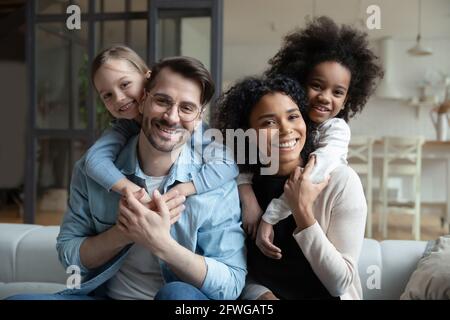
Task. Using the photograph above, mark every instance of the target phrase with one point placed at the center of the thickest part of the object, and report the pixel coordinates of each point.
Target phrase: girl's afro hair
(323, 40)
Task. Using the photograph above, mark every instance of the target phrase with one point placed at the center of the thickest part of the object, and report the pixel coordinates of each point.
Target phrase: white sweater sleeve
(252, 290)
(333, 256)
(244, 178)
(332, 148)
(277, 210)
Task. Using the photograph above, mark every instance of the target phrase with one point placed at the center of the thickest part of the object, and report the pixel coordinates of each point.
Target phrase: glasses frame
(165, 110)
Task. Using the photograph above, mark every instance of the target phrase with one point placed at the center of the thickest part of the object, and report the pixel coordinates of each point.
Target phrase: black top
(291, 277)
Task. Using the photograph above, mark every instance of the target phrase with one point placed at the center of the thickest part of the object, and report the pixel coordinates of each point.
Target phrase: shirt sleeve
(244, 178)
(277, 210)
(332, 148)
(253, 290)
(221, 241)
(218, 167)
(77, 224)
(101, 156)
(333, 256)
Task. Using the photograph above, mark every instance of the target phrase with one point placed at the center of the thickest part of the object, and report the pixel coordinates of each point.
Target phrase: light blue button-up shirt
(210, 225)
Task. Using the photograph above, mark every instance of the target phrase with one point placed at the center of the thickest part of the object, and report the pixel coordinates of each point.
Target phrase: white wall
(253, 29)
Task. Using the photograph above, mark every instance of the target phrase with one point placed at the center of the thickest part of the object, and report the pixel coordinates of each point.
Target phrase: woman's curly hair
(323, 40)
(234, 107)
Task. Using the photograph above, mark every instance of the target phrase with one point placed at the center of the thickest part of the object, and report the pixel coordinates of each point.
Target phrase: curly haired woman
(322, 238)
(339, 73)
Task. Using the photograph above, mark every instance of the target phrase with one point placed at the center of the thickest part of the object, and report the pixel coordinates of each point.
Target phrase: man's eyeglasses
(186, 111)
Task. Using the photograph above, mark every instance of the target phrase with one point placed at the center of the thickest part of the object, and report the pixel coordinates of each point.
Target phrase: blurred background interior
(52, 115)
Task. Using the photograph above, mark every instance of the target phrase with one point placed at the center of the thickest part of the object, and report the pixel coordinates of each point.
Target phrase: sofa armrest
(385, 267)
(28, 254)
(400, 259)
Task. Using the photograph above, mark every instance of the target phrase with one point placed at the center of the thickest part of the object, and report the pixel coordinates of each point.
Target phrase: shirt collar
(181, 170)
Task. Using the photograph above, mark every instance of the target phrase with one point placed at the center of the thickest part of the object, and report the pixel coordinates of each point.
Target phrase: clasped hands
(146, 221)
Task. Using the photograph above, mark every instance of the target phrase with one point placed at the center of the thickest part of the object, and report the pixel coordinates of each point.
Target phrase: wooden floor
(400, 227)
(399, 224)
(11, 214)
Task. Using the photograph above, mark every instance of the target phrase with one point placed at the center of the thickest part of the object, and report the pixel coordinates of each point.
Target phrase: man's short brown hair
(189, 68)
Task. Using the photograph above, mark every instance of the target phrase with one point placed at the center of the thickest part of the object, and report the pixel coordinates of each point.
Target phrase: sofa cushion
(28, 254)
(385, 267)
(400, 259)
(10, 237)
(431, 279)
(11, 289)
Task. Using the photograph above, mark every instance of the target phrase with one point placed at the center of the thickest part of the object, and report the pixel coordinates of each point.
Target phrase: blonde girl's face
(121, 87)
(327, 89)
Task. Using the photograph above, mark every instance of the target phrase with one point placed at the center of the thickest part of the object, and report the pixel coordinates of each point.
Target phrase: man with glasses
(134, 252)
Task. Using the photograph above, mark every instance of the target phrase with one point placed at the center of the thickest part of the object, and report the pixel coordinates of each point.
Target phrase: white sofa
(29, 263)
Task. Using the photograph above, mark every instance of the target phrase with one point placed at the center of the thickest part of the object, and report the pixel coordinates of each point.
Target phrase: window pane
(132, 33)
(138, 37)
(81, 80)
(184, 34)
(109, 33)
(139, 5)
(196, 39)
(55, 160)
(109, 6)
(169, 42)
(59, 6)
(62, 76)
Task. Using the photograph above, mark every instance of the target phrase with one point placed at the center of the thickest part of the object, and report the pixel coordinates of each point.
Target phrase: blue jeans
(43, 296)
(180, 291)
(171, 291)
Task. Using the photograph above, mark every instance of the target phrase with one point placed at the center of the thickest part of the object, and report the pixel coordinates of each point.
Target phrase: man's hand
(264, 241)
(144, 226)
(173, 199)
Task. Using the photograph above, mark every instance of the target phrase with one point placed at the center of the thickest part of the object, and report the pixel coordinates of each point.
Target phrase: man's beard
(147, 126)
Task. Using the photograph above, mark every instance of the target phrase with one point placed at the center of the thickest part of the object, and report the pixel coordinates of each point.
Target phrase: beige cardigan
(333, 244)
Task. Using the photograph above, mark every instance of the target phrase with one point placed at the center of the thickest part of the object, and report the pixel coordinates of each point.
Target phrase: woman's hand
(301, 194)
(264, 241)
